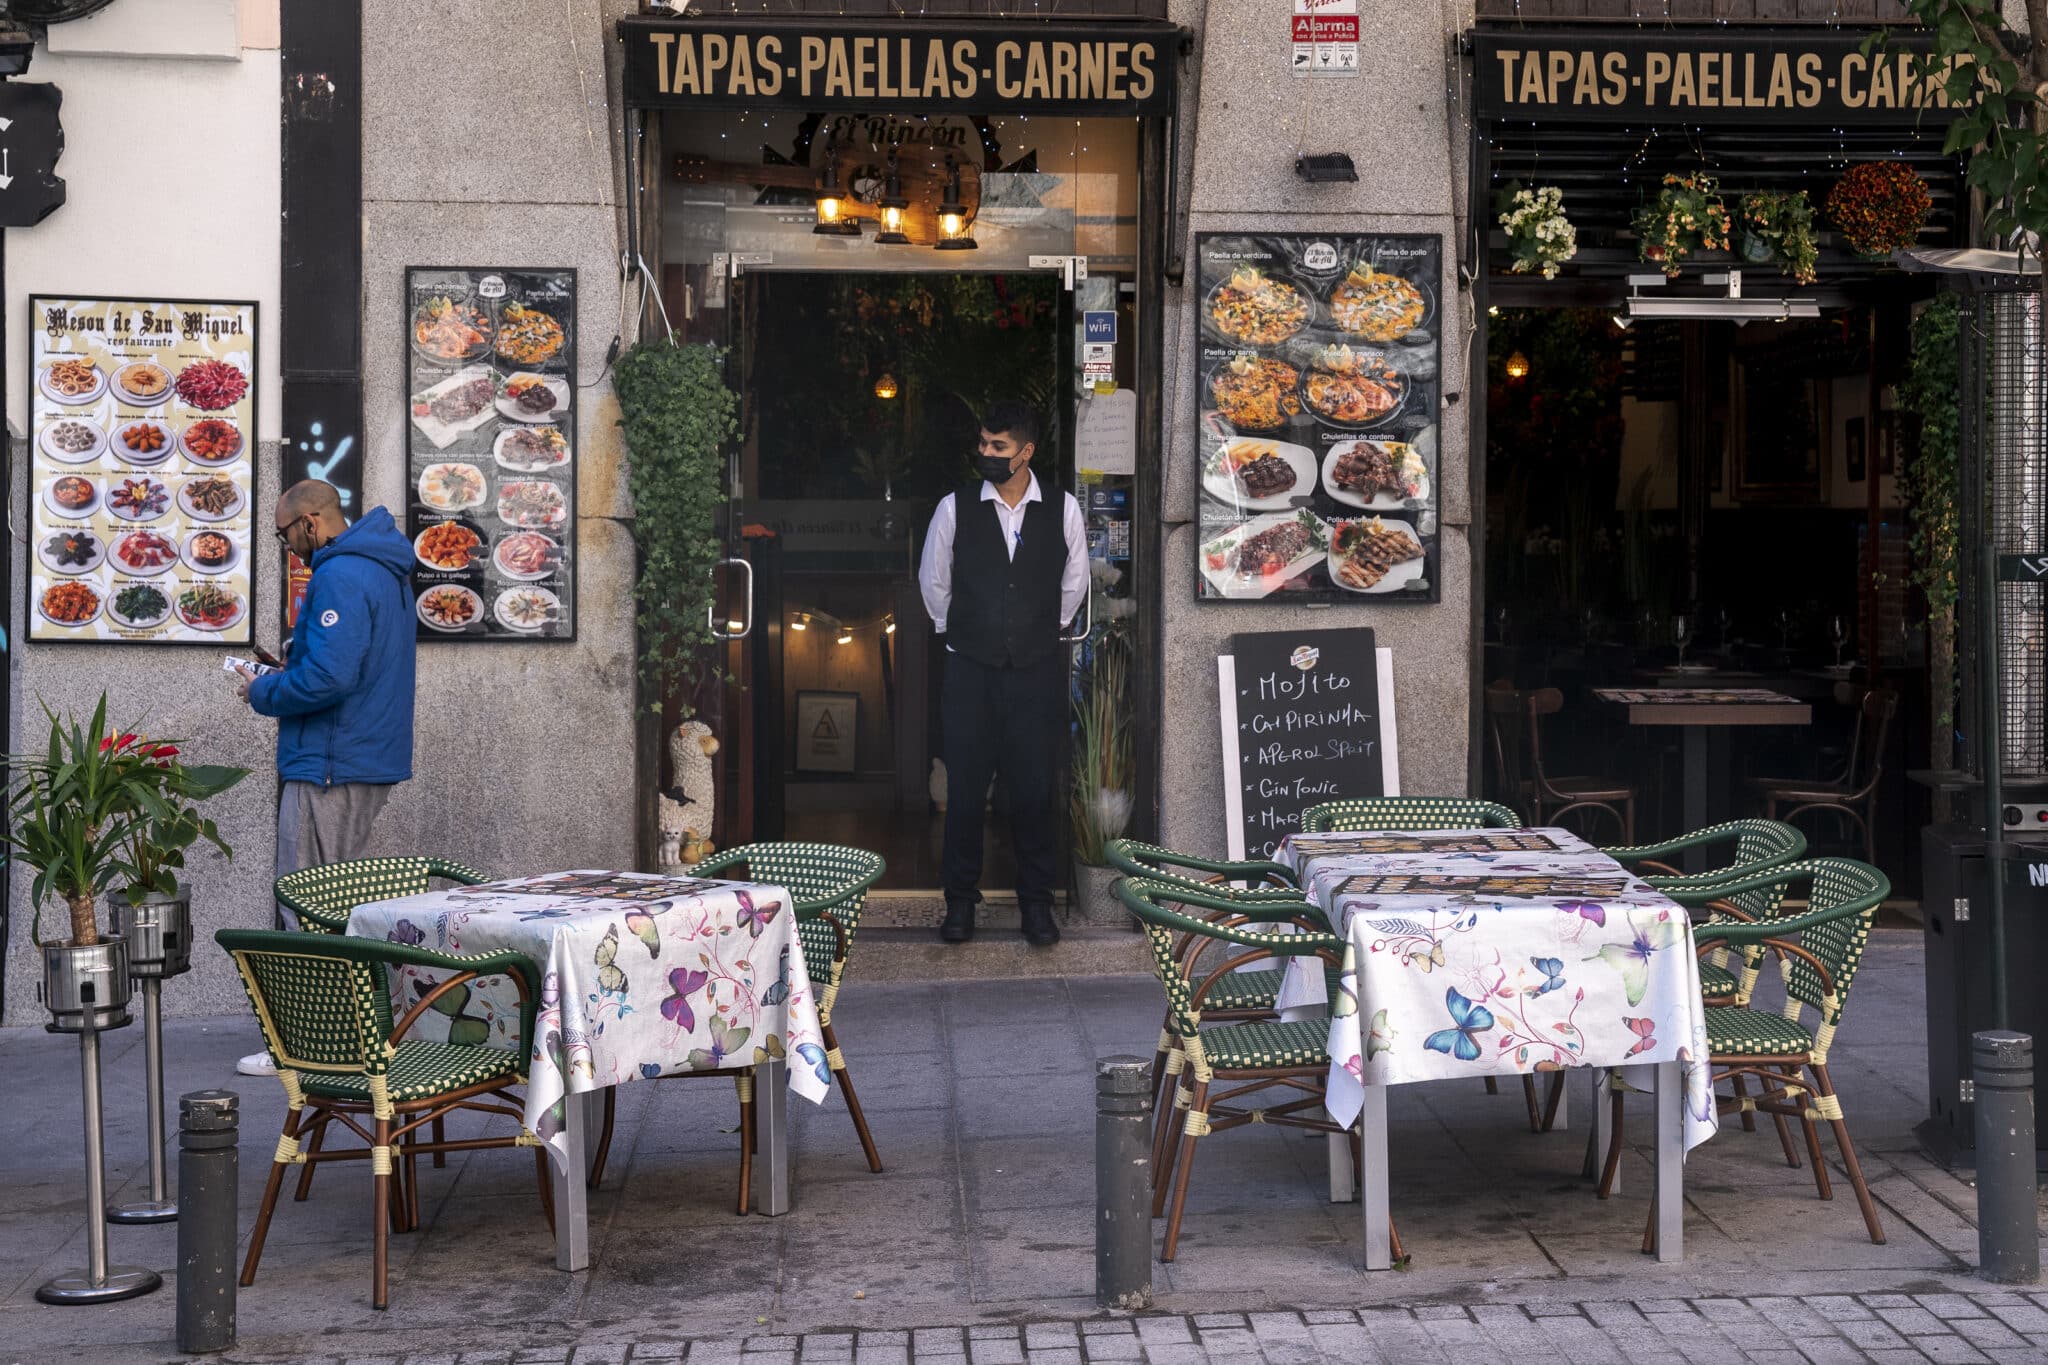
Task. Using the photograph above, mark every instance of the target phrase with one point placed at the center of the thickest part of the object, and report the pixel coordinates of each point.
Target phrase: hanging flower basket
(1779, 227)
(1879, 207)
(1688, 217)
(1540, 237)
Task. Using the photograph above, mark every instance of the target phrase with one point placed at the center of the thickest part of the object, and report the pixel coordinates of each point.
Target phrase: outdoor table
(642, 976)
(1699, 709)
(1473, 953)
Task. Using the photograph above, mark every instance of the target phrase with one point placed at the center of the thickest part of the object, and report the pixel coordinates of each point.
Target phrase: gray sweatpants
(317, 825)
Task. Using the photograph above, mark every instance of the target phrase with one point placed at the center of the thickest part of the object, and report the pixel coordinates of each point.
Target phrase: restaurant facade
(1244, 262)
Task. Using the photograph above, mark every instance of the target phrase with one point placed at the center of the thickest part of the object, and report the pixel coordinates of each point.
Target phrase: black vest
(1005, 612)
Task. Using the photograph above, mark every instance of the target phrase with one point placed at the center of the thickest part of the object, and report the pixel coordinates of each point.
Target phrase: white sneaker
(257, 1064)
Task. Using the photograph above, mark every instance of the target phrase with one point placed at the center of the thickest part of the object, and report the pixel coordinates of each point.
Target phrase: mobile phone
(231, 664)
(266, 658)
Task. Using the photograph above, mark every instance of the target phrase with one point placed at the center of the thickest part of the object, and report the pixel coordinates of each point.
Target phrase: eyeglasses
(284, 532)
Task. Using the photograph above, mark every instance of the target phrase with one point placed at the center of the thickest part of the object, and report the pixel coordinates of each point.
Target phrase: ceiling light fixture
(953, 212)
(832, 219)
(802, 622)
(845, 635)
(1518, 366)
(885, 387)
(892, 203)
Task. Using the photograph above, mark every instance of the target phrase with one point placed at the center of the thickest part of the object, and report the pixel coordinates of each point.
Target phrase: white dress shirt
(935, 572)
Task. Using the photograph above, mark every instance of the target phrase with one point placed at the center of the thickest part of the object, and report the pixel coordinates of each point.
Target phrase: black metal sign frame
(1801, 77)
(1026, 67)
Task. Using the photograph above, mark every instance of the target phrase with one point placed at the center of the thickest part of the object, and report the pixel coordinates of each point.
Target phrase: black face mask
(994, 468)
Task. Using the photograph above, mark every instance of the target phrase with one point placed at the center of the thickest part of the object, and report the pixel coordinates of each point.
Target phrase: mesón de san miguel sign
(959, 67)
(1721, 76)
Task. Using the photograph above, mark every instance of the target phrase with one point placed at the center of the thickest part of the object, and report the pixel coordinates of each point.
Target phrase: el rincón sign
(921, 67)
(1723, 76)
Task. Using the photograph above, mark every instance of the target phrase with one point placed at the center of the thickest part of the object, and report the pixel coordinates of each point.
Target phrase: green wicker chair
(1818, 950)
(326, 1017)
(1240, 995)
(828, 884)
(1759, 845)
(1254, 1057)
(1407, 813)
(324, 897)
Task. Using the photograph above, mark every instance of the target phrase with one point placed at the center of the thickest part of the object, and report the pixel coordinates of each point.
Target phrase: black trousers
(1012, 722)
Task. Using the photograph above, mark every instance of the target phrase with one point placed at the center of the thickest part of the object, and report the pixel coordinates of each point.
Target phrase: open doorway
(863, 394)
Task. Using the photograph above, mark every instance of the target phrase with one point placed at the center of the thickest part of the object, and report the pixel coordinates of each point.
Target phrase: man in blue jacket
(344, 699)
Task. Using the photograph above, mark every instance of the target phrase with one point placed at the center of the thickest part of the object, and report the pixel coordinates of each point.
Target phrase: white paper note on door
(1106, 435)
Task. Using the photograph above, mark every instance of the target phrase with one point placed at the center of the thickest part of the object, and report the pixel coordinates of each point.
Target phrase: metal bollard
(208, 1121)
(2008, 1242)
(1123, 1183)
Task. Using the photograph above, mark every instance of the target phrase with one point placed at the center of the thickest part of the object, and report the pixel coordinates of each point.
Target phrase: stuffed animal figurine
(687, 808)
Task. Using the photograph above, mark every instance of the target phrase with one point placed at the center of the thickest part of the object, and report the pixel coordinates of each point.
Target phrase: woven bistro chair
(1854, 796)
(1514, 728)
(1406, 813)
(325, 1012)
(322, 898)
(1254, 1056)
(1248, 994)
(1759, 845)
(1818, 950)
(828, 885)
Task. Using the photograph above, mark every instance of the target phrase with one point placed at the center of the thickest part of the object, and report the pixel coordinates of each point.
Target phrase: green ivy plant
(1927, 481)
(679, 417)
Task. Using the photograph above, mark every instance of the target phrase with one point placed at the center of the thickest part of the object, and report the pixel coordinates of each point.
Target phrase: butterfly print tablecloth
(1470, 954)
(641, 976)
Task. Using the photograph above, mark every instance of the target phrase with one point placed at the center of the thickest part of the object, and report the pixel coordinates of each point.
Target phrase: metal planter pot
(86, 981)
(1093, 903)
(158, 930)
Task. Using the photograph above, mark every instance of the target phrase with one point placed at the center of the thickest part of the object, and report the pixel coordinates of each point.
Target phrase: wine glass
(1500, 624)
(1588, 619)
(1721, 624)
(1785, 630)
(1681, 635)
(1838, 634)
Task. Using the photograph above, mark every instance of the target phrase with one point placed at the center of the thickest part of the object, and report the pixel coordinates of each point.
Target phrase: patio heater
(1986, 900)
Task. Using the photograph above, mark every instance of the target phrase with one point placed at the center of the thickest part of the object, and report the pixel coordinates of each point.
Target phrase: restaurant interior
(1707, 480)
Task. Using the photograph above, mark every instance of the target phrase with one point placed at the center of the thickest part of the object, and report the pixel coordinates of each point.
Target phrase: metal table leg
(159, 1207)
(568, 1170)
(1373, 1200)
(771, 1110)
(1603, 1127)
(1670, 1197)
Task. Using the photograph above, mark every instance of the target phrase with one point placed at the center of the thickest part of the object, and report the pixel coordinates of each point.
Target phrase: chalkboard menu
(492, 437)
(1308, 717)
(1316, 416)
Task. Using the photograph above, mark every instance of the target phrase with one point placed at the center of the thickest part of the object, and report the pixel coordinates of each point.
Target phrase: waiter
(1003, 570)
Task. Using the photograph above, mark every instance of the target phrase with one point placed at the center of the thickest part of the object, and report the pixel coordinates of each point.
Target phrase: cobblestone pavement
(1893, 1329)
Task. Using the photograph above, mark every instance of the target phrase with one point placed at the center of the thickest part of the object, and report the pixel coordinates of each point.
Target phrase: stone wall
(1249, 117)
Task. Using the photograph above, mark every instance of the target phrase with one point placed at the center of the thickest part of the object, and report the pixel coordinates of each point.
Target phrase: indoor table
(1697, 710)
(1475, 953)
(642, 976)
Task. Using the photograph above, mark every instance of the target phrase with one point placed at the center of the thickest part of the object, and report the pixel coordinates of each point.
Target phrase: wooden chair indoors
(1853, 794)
(1514, 726)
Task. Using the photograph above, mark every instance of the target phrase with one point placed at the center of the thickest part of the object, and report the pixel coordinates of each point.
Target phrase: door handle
(747, 626)
(1088, 608)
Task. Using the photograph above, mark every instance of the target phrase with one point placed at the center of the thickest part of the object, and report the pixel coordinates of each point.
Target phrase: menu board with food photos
(1318, 365)
(142, 432)
(491, 436)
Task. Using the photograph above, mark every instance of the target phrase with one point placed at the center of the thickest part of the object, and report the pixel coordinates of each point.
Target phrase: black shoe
(959, 925)
(1038, 926)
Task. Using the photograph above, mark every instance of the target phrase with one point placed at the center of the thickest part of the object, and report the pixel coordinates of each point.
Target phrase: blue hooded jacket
(344, 699)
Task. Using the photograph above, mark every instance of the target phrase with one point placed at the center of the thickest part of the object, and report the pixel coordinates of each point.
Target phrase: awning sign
(825, 64)
(1720, 76)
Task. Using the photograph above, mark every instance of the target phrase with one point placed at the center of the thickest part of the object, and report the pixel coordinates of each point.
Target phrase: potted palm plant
(1099, 805)
(153, 910)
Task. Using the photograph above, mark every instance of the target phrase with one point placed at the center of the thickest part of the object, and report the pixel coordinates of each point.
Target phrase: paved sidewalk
(981, 1099)
(1894, 1329)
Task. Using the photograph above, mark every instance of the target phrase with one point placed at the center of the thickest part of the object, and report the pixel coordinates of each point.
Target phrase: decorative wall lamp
(885, 387)
(1518, 366)
(832, 219)
(892, 203)
(953, 212)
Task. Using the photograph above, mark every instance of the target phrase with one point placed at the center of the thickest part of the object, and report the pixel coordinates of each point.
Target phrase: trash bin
(1957, 909)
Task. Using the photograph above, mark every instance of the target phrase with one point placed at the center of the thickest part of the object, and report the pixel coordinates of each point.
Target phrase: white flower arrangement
(1539, 234)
